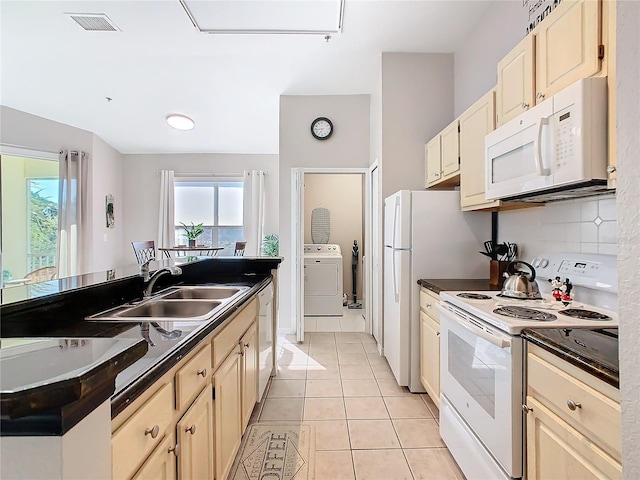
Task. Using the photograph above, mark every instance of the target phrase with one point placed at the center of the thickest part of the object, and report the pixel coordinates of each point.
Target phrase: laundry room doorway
(330, 236)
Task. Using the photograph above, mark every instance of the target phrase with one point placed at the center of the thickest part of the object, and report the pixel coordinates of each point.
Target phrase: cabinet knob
(202, 372)
(526, 408)
(191, 429)
(152, 431)
(175, 450)
(539, 95)
(573, 405)
(437, 334)
(428, 305)
(246, 345)
(611, 169)
(524, 105)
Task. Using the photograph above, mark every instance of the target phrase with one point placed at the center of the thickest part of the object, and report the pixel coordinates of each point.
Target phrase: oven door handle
(497, 341)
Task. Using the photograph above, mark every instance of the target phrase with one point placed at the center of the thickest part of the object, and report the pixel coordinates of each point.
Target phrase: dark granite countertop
(593, 350)
(60, 317)
(457, 284)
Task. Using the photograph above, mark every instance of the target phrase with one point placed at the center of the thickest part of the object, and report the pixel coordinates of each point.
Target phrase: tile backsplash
(586, 225)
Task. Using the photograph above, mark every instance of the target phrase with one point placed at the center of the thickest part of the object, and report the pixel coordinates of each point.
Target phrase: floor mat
(282, 451)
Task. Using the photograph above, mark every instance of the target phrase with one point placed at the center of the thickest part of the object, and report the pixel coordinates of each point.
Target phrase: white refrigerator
(427, 236)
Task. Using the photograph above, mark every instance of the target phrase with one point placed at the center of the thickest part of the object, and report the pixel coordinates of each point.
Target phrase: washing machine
(322, 280)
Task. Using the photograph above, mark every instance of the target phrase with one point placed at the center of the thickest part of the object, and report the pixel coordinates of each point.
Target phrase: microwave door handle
(543, 172)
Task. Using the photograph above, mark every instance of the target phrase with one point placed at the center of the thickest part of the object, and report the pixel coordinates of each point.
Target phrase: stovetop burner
(525, 313)
(584, 314)
(474, 296)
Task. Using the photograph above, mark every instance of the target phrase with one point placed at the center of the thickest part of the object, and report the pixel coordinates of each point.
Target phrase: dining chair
(144, 251)
(239, 251)
(42, 274)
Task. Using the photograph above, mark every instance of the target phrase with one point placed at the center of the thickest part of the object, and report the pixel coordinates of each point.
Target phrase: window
(217, 204)
(29, 215)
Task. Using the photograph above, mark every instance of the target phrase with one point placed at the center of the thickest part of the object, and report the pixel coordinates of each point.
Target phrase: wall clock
(321, 128)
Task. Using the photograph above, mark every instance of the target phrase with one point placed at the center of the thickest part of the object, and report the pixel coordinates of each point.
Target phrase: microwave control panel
(565, 138)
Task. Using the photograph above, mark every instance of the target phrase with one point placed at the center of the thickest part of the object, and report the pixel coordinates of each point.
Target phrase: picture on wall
(111, 218)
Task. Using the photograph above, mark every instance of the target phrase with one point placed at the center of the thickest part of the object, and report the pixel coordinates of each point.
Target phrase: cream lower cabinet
(162, 462)
(249, 346)
(195, 437)
(227, 407)
(430, 345)
(572, 421)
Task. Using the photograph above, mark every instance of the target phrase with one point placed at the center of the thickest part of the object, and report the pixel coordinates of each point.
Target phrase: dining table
(182, 250)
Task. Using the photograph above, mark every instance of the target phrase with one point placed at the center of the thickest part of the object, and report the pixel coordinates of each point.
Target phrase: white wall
(348, 147)
(141, 188)
(628, 126)
(343, 196)
(476, 61)
(417, 102)
(23, 130)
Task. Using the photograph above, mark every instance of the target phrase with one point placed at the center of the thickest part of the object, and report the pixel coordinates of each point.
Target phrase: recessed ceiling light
(180, 122)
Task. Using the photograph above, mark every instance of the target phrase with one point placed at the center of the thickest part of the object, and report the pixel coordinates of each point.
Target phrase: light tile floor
(367, 426)
(352, 320)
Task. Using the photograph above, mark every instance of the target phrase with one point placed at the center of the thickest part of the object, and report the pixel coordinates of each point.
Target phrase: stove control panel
(589, 270)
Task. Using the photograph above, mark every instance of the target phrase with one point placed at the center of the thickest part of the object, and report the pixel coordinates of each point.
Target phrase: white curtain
(72, 211)
(253, 211)
(166, 218)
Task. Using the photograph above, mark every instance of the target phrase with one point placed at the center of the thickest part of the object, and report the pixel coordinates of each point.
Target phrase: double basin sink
(175, 304)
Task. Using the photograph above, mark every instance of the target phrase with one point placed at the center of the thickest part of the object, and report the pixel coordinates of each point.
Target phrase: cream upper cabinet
(430, 344)
(195, 437)
(515, 89)
(563, 48)
(432, 154)
(227, 413)
(573, 421)
(475, 123)
(567, 46)
(442, 161)
(249, 345)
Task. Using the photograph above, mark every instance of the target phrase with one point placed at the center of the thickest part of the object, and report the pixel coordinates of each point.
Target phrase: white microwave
(555, 150)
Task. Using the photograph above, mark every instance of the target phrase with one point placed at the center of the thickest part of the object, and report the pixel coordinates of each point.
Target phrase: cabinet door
(433, 164)
(195, 437)
(249, 344)
(567, 44)
(475, 123)
(161, 464)
(515, 88)
(227, 413)
(450, 144)
(556, 450)
(430, 357)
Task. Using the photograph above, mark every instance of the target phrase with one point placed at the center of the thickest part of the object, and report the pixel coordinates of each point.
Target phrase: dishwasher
(265, 338)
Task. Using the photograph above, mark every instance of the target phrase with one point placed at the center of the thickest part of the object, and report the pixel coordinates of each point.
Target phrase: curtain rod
(10, 145)
(208, 174)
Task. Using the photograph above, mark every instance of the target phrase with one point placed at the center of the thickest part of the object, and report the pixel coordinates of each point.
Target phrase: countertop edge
(456, 284)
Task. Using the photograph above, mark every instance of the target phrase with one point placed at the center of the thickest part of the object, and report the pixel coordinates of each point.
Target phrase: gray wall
(348, 147)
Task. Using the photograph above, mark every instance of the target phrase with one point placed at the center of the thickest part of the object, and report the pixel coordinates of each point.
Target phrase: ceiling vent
(93, 22)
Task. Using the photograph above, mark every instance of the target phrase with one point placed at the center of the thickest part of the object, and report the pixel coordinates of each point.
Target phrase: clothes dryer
(322, 280)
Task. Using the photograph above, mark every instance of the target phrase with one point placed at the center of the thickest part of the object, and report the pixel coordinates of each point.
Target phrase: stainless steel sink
(203, 293)
(176, 304)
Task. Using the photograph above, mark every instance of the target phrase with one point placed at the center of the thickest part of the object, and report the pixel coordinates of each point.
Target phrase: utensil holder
(496, 269)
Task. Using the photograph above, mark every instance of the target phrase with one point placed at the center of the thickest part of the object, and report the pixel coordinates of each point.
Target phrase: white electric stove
(481, 357)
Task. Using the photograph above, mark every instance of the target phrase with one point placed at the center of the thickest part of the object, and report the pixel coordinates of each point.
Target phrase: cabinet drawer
(228, 338)
(428, 303)
(139, 435)
(597, 417)
(191, 378)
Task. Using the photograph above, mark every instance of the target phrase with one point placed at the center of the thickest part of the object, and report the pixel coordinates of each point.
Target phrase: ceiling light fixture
(180, 122)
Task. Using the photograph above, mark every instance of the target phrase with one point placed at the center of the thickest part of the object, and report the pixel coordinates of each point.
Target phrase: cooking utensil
(501, 251)
(520, 284)
(486, 254)
(488, 246)
(513, 252)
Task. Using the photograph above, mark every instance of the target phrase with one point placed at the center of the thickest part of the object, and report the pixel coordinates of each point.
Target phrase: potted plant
(270, 245)
(193, 232)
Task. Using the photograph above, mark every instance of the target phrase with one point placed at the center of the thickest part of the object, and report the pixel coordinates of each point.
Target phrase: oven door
(481, 377)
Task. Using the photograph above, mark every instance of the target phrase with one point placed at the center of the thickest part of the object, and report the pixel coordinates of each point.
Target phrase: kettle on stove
(520, 284)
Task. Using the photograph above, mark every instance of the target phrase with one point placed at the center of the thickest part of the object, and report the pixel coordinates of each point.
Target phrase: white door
(297, 247)
(375, 287)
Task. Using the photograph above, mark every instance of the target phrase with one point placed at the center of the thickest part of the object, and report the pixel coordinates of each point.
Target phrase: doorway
(338, 197)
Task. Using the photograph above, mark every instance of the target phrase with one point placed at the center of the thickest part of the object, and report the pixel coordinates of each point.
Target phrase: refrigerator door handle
(396, 212)
(394, 277)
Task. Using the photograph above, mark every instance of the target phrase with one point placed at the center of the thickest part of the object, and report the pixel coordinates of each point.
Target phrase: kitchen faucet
(173, 270)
